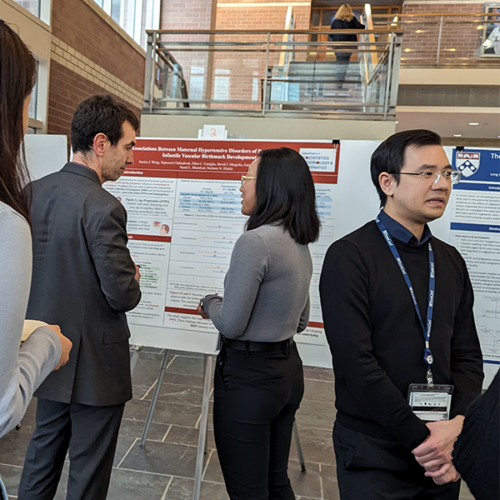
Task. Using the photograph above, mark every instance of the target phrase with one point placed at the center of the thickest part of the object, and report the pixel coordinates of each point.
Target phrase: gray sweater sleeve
(249, 264)
(21, 370)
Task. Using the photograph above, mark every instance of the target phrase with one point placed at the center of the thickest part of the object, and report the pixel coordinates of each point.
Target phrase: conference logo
(468, 163)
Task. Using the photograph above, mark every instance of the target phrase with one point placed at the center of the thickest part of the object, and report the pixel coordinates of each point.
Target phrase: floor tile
(186, 365)
(122, 447)
(134, 429)
(11, 476)
(305, 483)
(175, 393)
(313, 372)
(319, 390)
(328, 475)
(182, 489)
(316, 444)
(133, 485)
(165, 413)
(162, 458)
(188, 435)
(13, 448)
(316, 414)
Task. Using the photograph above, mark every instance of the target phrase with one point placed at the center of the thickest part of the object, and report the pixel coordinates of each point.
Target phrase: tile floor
(164, 469)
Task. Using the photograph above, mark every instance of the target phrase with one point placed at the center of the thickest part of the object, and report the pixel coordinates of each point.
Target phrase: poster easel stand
(202, 438)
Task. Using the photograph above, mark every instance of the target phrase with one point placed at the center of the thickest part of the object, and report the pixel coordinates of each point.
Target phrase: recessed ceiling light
(473, 123)
(457, 135)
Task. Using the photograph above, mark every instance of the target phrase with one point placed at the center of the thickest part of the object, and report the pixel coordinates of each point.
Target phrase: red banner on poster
(224, 159)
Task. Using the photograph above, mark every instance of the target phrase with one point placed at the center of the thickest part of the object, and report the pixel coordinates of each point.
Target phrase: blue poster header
(459, 226)
(477, 164)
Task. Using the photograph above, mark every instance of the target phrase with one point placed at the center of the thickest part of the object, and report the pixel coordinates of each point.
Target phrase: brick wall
(245, 71)
(460, 39)
(89, 56)
(193, 15)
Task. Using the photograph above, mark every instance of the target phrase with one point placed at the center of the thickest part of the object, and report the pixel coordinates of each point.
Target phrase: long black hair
(17, 79)
(285, 195)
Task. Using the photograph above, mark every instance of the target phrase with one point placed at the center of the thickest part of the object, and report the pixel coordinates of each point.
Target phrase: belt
(250, 345)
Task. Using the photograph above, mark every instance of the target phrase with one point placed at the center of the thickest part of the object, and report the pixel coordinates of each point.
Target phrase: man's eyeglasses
(434, 176)
(246, 177)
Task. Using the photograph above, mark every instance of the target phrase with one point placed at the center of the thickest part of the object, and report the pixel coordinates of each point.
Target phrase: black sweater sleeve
(344, 290)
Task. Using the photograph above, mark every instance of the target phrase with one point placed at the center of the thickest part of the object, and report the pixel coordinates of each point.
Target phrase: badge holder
(430, 403)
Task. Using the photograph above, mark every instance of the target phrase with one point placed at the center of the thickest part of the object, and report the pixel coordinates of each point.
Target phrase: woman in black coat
(344, 20)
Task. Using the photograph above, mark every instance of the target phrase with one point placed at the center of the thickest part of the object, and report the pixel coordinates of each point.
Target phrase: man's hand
(435, 451)
(137, 272)
(450, 476)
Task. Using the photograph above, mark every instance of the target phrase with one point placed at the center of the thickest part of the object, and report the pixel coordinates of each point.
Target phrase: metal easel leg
(299, 447)
(156, 393)
(136, 350)
(203, 426)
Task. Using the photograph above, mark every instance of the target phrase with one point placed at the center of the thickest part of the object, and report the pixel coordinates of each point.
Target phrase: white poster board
(45, 153)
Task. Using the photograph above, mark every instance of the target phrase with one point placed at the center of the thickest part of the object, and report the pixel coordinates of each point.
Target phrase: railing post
(147, 73)
(395, 70)
(152, 61)
(264, 93)
(439, 40)
(388, 79)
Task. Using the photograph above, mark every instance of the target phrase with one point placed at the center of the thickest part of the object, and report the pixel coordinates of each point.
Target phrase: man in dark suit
(83, 280)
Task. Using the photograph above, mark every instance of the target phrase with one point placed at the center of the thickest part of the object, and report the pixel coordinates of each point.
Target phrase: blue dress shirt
(398, 231)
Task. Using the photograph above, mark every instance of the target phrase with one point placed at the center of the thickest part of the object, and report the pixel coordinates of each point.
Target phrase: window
(32, 6)
(134, 16)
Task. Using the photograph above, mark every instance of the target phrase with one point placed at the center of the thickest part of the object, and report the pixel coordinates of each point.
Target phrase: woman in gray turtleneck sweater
(21, 370)
(259, 380)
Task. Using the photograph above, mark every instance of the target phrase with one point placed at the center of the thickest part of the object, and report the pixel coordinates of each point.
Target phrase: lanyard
(428, 359)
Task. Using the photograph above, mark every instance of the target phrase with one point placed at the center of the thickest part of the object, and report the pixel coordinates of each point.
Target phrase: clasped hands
(434, 454)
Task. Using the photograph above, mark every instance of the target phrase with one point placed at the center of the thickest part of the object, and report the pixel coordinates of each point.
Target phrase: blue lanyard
(428, 359)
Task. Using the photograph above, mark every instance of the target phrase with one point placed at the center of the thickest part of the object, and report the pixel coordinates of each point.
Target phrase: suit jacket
(83, 281)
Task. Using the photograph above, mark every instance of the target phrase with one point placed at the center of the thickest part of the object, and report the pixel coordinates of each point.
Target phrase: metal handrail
(159, 45)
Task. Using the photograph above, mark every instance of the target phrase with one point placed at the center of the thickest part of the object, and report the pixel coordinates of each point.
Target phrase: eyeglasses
(245, 178)
(434, 176)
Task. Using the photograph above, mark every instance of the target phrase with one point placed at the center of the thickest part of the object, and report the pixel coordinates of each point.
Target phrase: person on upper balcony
(344, 20)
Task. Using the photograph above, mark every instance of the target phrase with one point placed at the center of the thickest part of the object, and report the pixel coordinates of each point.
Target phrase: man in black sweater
(371, 315)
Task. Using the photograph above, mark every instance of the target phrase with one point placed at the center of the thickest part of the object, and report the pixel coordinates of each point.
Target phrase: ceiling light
(457, 135)
(396, 122)
(473, 123)
(408, 50)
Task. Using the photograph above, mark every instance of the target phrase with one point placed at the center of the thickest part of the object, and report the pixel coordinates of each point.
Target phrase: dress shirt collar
(398, 231)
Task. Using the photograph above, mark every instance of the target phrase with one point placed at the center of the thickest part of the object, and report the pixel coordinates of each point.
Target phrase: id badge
(430, 403)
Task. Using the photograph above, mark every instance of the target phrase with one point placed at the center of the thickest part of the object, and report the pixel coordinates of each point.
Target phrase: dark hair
(17, 79)
(99, 114)
(390, 155)
(285, 194)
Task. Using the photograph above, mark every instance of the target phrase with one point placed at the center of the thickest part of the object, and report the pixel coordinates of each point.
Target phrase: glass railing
(467, 39)
(267, 72)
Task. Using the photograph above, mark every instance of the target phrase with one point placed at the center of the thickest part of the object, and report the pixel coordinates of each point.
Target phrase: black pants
(90, 433)
(342, 65)
(256, 396)
(375, 469)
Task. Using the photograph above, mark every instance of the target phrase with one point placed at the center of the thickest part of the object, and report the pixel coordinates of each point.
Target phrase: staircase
(319, 83)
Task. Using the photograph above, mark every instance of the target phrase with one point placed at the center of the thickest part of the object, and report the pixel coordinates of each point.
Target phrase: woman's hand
(66, 346)
(201, 312)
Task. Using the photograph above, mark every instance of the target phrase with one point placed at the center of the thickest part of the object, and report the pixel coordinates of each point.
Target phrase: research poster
(183, 203)
(475, 232)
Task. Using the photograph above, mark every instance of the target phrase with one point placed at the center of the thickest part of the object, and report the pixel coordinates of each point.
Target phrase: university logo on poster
(468, 163)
